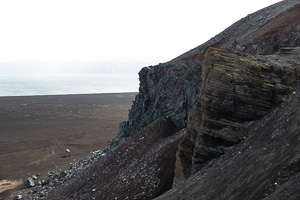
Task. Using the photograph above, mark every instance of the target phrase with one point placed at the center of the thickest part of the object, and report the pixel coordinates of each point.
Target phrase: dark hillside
(266, 165)
(140, 168)
(205, 103)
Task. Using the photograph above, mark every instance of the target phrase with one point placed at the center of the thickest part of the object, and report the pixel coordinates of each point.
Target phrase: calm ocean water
(28, 85)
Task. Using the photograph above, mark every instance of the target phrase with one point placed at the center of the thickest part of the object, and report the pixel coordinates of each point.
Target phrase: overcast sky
(53, 36)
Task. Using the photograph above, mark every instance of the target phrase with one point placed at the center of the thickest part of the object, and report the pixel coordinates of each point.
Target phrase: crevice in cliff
(217, 142)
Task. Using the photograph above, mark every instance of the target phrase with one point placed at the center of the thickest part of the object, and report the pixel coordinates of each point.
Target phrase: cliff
(235, 90)
(171, 88)
(219, 120)
(165, 89)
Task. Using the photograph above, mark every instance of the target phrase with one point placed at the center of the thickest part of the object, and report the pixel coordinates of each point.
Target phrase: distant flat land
(36, 130)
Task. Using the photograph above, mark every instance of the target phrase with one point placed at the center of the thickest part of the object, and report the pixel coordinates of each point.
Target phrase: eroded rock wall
(235, 90)
(171, 88)
(164, 89)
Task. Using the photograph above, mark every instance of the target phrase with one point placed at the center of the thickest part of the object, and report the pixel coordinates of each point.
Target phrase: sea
(61, 84)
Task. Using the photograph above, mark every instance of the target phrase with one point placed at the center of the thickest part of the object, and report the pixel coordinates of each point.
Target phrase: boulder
(62, 174)
(18, 197)
(67, 153)
(29, 182)
(34, 177)
(45, 182)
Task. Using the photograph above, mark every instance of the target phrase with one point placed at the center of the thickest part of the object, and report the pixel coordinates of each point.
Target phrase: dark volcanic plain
(36, 130)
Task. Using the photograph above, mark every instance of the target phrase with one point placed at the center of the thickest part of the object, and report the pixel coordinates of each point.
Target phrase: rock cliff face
(235, 90)
(164, 89)
(221, 91)
(171, 88)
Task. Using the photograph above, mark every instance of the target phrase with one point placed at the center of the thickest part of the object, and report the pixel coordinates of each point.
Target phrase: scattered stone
(45, 182)
(38, 183)
(50, 173)
(34, 177)
(29, 182)
(63, 174)
(68, 153)
(18, 197)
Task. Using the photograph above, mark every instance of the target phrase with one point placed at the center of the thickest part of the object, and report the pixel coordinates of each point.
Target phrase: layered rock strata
(235, 90)
(265, 166)
(165, 89)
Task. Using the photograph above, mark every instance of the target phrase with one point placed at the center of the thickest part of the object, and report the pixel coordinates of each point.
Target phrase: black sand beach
(36, 130)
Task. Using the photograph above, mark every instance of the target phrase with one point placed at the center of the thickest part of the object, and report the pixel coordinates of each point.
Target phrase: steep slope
(266, 165)
(140, 168)
(263, 32)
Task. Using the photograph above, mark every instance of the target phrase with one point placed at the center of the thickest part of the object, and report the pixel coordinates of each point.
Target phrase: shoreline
(36, 130)
(41, 95)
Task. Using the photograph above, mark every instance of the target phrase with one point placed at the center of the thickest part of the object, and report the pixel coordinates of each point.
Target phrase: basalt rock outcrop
(165, 89)
(227, 92)
(235, 90)
(171, 88)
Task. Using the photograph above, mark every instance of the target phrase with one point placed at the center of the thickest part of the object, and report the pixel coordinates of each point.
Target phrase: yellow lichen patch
(217, 53)
(251, 62)
(269, 85)
(214, 51)
(236, 75)
(223, 69)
